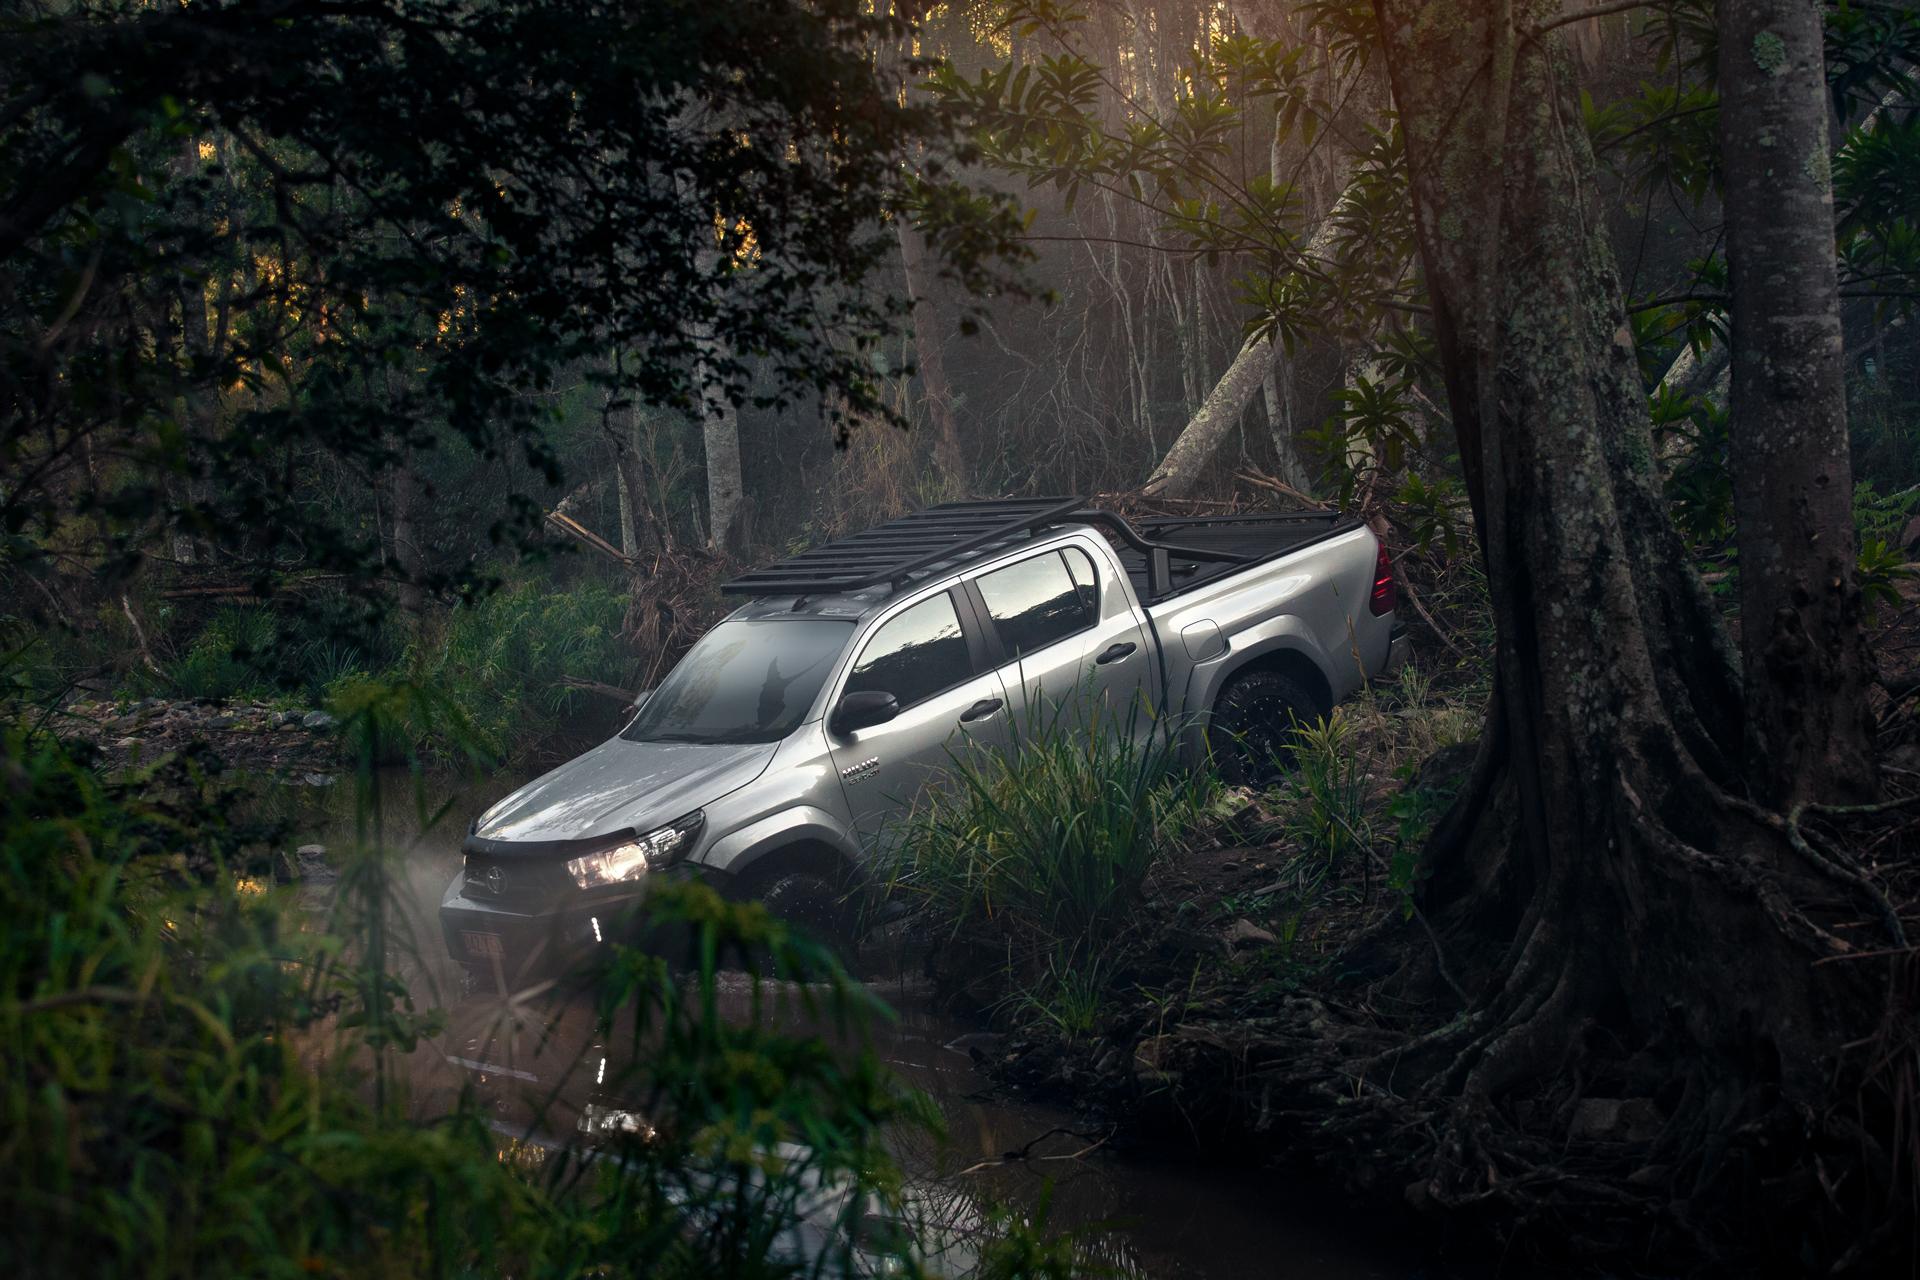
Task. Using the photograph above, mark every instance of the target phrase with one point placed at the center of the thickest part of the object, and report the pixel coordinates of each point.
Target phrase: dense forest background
(416, 370)
(1217, 298)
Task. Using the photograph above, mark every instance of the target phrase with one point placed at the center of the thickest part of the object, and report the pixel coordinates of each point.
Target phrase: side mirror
(863, 710)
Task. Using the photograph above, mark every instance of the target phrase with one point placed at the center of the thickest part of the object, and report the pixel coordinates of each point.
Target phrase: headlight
(630, 861)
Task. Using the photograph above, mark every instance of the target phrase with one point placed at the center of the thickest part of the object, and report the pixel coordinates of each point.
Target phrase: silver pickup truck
(776, 757)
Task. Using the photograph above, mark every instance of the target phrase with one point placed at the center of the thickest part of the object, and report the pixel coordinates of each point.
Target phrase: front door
(948, 710)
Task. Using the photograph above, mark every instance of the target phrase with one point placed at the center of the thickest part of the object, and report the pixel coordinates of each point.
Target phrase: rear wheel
(1251, 732)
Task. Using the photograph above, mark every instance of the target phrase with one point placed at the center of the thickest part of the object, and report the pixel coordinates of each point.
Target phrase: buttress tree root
(1686, 1009)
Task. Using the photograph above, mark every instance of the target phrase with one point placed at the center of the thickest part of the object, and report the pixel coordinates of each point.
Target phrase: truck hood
(620, 786)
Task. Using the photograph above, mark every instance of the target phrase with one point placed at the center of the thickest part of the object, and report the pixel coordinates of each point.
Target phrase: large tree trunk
(1807, 667)
(1621, 917)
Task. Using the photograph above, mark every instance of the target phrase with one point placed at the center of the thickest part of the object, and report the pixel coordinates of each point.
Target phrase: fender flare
(738, 851)
(1253, 647)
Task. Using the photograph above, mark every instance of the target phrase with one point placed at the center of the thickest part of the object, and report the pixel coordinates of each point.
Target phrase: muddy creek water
(535, 1062)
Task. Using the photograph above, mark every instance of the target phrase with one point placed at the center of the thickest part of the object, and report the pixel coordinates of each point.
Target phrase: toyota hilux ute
(778, 756)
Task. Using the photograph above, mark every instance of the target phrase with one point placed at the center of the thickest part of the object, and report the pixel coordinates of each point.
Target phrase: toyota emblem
(496, 880)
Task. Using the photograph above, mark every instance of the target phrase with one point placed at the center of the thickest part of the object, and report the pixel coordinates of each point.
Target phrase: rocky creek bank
(297, 746)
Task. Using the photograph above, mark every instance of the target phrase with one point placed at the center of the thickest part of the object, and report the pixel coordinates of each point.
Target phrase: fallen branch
(1025, 1151)
(587, 537)
(1406, 589)
(604, 690)
(1284, 489)
(140, 636)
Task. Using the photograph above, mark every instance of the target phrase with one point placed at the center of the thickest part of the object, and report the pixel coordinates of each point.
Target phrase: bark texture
(1623, 921)
(1806, 662)
(1195, 446)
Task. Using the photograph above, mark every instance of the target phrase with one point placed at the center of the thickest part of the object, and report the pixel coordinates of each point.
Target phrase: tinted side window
(1034, 603)
(914, 655)
(1080, 565)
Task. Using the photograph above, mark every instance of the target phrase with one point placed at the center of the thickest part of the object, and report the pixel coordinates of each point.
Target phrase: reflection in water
(543, 1070)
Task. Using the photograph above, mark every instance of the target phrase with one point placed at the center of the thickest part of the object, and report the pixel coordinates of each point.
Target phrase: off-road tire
(816, 905)
(1251, 730)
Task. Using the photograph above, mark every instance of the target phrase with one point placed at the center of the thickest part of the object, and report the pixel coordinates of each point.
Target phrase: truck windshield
(745, 681)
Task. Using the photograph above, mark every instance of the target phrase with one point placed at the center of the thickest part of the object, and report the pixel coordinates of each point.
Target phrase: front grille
(516, 880)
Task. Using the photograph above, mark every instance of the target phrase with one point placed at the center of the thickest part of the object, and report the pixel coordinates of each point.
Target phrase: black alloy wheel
(1251, 732)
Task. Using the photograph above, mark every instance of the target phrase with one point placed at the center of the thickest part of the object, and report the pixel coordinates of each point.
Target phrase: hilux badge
(855, 772)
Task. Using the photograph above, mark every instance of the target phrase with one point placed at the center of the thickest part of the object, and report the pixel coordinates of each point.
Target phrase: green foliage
(1036, 859)
(1882, 522)
(1413, 811)
(1067, 123)
(202, 1075)
(242, 310)
(1691, 432)
(509, 663)
(1329, 820)
(1020, 1248)
(232, 658)
(489, 680)
(1433, 514)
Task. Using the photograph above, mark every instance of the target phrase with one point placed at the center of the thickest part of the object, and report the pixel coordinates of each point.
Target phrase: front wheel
(1251, 731)
(818, 906)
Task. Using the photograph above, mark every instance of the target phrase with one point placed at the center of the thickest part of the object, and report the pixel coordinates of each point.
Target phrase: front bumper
(516, 942)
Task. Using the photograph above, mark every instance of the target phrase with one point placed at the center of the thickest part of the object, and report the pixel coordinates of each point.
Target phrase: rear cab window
(915, 654)
(1038, 602)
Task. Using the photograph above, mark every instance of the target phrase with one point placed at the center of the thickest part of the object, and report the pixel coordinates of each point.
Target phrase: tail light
(1385, 594)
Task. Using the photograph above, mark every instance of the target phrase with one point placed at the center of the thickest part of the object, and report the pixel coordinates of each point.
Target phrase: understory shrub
(517, 665)
(202, 1072)
(514, 666)
(1033, 860)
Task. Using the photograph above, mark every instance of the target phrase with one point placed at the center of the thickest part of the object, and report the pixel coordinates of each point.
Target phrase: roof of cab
(855, 605)
(889, 554)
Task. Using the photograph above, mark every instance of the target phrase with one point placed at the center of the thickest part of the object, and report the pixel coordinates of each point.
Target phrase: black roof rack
(890, 552)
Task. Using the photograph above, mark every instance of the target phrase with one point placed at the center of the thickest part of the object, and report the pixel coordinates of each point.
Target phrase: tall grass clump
(1351, 806)
(1032, 861)
(233, 656)
(518, 664)
(205, 1073)
(1329, 817)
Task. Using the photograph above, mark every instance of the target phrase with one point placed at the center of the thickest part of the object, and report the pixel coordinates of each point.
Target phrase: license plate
(484, 945)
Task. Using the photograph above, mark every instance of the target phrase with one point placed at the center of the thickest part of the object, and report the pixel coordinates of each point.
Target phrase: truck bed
(1253, 540)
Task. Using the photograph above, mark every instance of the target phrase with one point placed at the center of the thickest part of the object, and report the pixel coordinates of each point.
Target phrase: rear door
(952, 704)
(1119, 656)
(1065, 665)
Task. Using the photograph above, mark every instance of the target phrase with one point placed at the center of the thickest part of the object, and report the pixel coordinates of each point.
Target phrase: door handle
(1114, 652)
(980, 710)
